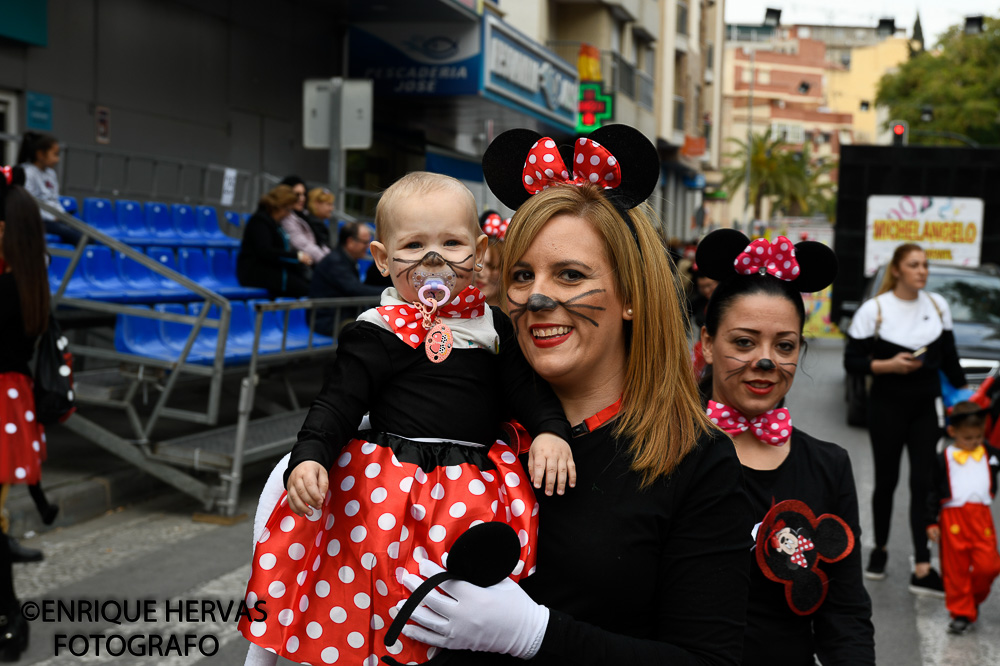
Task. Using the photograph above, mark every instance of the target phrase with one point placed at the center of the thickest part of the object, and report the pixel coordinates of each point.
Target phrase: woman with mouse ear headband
(806, 588)
(884, 335)
(645, 561)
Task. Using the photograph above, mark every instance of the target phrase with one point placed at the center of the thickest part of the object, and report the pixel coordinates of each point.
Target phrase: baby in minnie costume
(437, 371)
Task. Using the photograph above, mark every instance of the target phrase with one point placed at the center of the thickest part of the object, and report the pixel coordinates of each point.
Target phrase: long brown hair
(281, 196)
(24, 252)
(898, 255)
(660, 412)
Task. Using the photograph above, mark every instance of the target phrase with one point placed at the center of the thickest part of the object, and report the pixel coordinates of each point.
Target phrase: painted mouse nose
(765, 364)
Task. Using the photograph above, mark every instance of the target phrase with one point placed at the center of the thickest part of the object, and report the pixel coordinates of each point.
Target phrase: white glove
(501, 618)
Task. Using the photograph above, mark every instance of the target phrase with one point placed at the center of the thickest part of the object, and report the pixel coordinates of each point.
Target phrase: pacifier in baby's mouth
(433, 282)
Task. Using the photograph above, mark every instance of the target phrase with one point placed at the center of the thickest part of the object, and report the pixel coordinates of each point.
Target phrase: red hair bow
(592, 163)
(761, 256)
(495, 226)
(8, 174)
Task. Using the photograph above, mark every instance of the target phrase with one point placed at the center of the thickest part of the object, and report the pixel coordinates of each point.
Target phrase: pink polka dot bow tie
(592, 163)
(762, 256)
(405, 320)
(773, 427)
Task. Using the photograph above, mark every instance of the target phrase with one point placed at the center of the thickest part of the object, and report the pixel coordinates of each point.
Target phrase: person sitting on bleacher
(267, 258)
(304, 232)
(38, 157)
(337, 275)
(319, 210)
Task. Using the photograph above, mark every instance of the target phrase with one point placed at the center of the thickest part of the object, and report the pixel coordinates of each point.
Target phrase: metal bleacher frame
(224, 450)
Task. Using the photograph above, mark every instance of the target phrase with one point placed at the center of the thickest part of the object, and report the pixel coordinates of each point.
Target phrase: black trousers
(895, 423)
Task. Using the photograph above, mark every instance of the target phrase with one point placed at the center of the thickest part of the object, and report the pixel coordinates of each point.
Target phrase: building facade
(778, 81)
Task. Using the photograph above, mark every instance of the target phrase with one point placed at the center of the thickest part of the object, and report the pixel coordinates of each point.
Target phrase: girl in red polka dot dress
(24, 315)
(438, 371)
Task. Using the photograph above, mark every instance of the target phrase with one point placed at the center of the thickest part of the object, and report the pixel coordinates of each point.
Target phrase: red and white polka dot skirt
(331, 581)
(22, 438)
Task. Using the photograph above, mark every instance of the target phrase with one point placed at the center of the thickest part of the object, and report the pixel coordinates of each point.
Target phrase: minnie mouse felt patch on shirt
(792, 543)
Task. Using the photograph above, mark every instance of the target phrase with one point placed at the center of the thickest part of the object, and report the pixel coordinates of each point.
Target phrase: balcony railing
(678, 113)
(623, 76)
(646, 90)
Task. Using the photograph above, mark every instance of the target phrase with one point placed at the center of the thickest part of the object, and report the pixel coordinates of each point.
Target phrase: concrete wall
(204, 80)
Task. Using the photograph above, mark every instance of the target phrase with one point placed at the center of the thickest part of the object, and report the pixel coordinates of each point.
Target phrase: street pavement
(153, 551)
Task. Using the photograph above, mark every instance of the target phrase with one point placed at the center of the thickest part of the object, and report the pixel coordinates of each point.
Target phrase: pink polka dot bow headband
(619, 159)
(592, 163)
(761, 256)
(726, 253)
(495, 226)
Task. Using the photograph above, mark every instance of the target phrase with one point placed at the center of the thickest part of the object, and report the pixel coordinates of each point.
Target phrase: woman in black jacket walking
(267, 258)
(902, 337)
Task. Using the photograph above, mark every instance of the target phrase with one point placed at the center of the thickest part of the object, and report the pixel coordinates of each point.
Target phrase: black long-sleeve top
(819, 474)
(465, 398)
(905, 327)
(266, 259)
(654, 576)
(16, 348)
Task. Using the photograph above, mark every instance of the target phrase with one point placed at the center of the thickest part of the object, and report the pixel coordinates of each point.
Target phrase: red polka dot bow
(495, 226)
(8, 174)
(592, 163)
(761, 256)
(773, 427)
(405, 320)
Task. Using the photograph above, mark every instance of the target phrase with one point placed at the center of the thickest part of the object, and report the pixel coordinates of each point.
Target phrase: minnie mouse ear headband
(520, 163)
(809, 266)
(9, 176)
(493, 225)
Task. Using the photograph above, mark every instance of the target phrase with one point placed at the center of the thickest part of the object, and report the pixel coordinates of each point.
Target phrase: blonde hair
(899, 254)
(661, 412)
(318, 195)
(419, 183)
(280, 197)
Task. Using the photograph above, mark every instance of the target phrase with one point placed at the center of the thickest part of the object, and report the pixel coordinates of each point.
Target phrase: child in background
(429, 468)
(38, 157)
(965, 478)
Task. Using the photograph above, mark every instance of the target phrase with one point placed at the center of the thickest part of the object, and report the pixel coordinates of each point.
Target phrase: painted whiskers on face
(462, 268)
(541, 302)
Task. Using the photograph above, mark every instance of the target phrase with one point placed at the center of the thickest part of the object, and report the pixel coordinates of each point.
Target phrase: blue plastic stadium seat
(100, 214)
(52, 238)
(208, 223)
(233, 218)
(132, 222)
(78, 287)
(141, 336)
(298, 328)
(186, 224)
(101, 272)
(223, 263)
(363, 265)
(69, 205)
(174, 335)
(160, 225)
(165, 255)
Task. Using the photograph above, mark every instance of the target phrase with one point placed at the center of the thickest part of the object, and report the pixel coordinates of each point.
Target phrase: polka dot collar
(773, 427)
(405, 320)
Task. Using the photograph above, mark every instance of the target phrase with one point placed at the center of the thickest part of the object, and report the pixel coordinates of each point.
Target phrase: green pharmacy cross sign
(596, 106)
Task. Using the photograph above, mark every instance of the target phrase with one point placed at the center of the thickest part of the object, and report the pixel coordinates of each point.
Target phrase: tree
(958, 82)
(791, 179)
